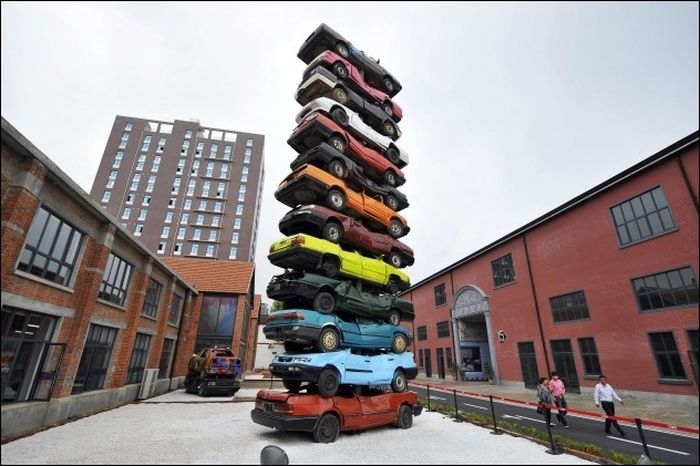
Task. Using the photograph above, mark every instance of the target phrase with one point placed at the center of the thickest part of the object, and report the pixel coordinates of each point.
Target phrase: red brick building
(606, 283)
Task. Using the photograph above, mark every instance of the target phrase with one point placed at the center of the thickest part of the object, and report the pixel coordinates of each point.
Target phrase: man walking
(604, 394)
(556, 386)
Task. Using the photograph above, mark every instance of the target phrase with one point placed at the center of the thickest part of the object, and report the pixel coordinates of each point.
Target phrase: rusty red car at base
(352, 409)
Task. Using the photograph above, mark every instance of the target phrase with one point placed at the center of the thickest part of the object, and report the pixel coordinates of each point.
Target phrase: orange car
(309, 184)
(354, 408)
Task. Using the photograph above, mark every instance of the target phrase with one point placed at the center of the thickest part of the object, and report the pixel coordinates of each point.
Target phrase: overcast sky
(510, 109)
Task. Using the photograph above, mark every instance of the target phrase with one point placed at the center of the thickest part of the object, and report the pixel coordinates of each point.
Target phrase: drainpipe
(687, 183)
(455, 331)
(537, 307)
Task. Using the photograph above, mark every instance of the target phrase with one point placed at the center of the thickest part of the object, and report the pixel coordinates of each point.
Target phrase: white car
(352, 121)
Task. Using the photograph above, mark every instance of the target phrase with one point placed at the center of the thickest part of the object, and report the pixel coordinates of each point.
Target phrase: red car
(354, 408)
(353, 76)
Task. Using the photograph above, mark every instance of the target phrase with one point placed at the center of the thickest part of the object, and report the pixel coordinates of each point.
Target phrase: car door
(357, 370)
(374, 270)
(350, 263)
(374, 334)
(376, 410)
(352, 333)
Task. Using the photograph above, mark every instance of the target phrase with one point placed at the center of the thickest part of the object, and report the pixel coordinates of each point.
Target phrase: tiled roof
(214, 276)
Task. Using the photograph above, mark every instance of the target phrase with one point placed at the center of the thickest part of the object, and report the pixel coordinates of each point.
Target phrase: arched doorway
(471, 330)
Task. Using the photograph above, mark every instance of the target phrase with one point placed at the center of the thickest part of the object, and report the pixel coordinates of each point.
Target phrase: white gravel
(168, 430)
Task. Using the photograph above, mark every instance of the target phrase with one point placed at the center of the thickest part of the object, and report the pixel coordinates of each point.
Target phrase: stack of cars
(342, 253)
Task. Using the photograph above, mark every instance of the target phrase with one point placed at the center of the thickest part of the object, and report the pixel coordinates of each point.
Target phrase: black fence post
(554, 450)
(457, 419)
(493, 415)
(642, 438)
(427, 386)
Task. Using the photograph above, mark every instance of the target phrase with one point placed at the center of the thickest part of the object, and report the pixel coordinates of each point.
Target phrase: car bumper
(285, 290)
(411, 372)
(292, 332)
(319, 82)
(302, 190)
(284, 422)
(417, 409)
(308, 136)
(296, 372)
(296, 258)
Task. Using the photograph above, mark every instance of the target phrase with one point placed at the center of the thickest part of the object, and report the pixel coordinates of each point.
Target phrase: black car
(325, 38)
(321, 82)
(337, 164)
(329, 295)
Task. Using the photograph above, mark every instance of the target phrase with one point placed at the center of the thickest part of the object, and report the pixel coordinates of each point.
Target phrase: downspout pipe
(537, 307)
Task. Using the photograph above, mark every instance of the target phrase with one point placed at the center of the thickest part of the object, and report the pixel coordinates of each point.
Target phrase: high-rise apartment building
(183, 189)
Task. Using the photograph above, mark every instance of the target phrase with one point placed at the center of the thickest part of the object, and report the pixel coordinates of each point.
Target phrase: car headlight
(300, 359)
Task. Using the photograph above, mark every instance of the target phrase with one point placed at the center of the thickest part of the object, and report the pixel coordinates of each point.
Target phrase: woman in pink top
(556, 386)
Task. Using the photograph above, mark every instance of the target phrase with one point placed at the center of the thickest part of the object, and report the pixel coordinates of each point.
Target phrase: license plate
(267, 407)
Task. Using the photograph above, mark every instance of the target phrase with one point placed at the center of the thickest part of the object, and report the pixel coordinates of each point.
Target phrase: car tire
(404, 420)
(337, 168)
(328, 341)
(340, 117)
(332, 232)
(389, 85)
(389, 129)
(393, 286)
(389, 178)
(398, 382)
(330, 266)
(340, 95)
(343, 50)
(395, 259)
(388, 108)
(293, 386)
(327, 429)
(395, 228)
(337, 143)
(342, 72)
(201, 389)
(328, 383)
(399, 344)
(335, 199)
(324, 302)
(391, 202)
(393, 155)
(394, 317)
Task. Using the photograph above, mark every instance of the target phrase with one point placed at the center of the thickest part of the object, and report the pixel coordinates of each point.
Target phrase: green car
(329, 295)
(309, 254)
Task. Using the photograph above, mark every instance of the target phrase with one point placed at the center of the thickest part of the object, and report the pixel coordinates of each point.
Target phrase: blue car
(327, 371)
(299, 328)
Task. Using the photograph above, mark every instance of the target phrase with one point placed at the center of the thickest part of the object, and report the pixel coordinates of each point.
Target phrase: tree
(276, 306)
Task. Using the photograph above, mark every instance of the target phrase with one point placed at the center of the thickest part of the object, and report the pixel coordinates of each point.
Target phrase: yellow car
(310, 254)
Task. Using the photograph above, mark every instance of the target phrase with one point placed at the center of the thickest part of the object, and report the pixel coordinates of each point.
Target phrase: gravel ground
(168, 430)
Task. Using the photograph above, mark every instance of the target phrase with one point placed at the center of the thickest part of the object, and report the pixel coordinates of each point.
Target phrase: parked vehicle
(325, 38)
(330, 160)
(352, 76)
(329, 295)
(300, 328)
(325, 418)
(316, 128)
(323, 83)
(213, 369)
(351, 121)
(326, 372)
(308, 184)
(308, 253)
(336, 227)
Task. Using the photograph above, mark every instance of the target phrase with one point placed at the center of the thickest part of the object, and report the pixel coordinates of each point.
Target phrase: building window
(218, 206)
(234, 237)
(124, 141)
(188, 134)
(199, 149)
(185, 146)
(181, 233)
(184, 218)
(161, 247)
(194, 249)
(172, 202)
(249, 142)
(237, 224)
(213, 235)
(217, 320)
(106, 195)
(150, 303)
(51, 248)
(221, 190)
(200, 219)
(187, 205)
(420, 358)
(502, 269)
(129, 126)
(233, 252)
(165, 358)
(568, 307)
(210, 250)
(138, 230)
(177, 250)
(130, 199)
(422, 332)
(239, 209)
(666, 289)
(212, 151)
(118, 159)
(443, 329)
(165, 232)
(197, 234)
(194, 171)
(668, 360)
(202, 205)
(138, 358)
(115, 280)
(126, 213)
(589, 355)
(161, 145)
(227, 152)
(440, 297)
(175, 310)
(224, 170)
(142, 214)
(168, 217)
(180, 167)
(642, 217)
(94, 361)
(146, 143)
(146, 200)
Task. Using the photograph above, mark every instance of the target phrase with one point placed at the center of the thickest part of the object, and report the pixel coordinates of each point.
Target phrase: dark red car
(353, 408)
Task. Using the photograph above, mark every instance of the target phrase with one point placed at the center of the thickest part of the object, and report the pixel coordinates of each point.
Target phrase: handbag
(540, 408)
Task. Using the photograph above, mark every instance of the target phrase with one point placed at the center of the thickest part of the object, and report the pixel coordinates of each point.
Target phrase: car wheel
(336, 199)
(337, 143)
(340, 95)
(293, 347)
(340, 71)
(324, 302)
(329, 267)
(328, 383)
(327, 429)
(389, 129)
(395, 228)
(405, 417)
(390, 178)
(393, 286)
(399, 344)
(388, 108)
(391, 202)
(393, 155)
(293, 386)
(337, 168)
(398, 383)
(343, 50)
(201, 389)
(332, 232)
(340, 117)
(389, 85)
(394, 317)
(395, 259)
(328, 341)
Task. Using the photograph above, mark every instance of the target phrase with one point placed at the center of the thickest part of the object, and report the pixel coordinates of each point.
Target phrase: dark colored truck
(213, 370)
